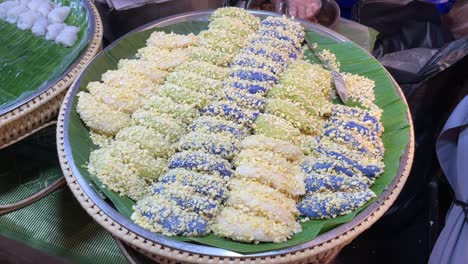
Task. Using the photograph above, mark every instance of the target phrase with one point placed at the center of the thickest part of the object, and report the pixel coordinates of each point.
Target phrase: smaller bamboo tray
(34, 114)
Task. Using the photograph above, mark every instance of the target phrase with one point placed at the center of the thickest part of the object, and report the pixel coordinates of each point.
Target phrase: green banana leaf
(29, 64)
(352, 58)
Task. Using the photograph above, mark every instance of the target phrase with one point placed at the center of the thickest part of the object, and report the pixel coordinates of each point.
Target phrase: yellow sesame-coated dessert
(231, 132)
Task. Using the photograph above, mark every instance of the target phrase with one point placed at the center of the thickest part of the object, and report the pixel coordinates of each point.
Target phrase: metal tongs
(337, 78)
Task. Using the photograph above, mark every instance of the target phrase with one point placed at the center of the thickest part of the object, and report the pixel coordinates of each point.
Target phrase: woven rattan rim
(333, 242)
(31, 116)
(320, 250)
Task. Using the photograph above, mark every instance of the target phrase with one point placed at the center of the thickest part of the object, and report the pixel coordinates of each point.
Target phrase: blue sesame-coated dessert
(187, 198)
(231, 111)
(244, 99)
(315, 182)
(201, 161)
(249, 86)
(221, 144)
(211, 185)
(216, 124)
(159, 215)
(252, 74)
(326, 205)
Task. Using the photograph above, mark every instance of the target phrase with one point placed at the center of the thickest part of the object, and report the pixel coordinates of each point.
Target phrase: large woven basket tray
(32, 114)
(322, 249)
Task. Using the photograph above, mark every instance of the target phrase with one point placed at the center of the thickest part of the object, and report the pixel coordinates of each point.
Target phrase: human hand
(304, 9)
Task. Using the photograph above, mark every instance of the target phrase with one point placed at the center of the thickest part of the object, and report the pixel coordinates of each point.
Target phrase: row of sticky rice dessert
(140, 127)
(345, 161)
(208, 149)
(260, 205)
(160, 106)
(295, 107)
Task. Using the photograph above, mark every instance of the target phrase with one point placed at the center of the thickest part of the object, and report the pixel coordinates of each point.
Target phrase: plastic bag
(422, 56)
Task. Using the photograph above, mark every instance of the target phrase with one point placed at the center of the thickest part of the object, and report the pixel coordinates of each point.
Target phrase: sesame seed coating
(194, 82)
(249, 60)
(309, 78)
(124, 160)
(358, 115)
(365, 158)
(146, 69)
(161, 105)
(235, 24)
(147, 138)
(336, 163)
(361, 89)
(243, 98)
(277, 55)
(216, 124)
(163, 59)
(231, 111)
(222, 144)
(277, 127)
(201, 162)
(157, 214)
(215, 57)
(315, 182)
(281, 35)
(122, 99)
(284, 24)
(355, 141)
(293, 113)
(308, 100)
(148, 166)
(99, 139)
(183, 95)
(187, 198)
(211, 185)
(226, 41)
(325, 205)
(253, 74)
(204, 69)
(171, 41)
(164, 124)
(248, 19)
(99, 116)
(247, 227)
(277, 44)
(285, 149)
(249, 86)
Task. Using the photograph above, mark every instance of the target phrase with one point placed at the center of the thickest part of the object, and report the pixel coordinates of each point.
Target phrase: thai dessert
(43, 18)
(232, 132)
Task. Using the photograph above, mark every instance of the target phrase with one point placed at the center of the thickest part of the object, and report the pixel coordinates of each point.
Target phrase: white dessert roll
(59, 14)
(68, 36)
(5, 7)
(26, 20)
(14, 13)
(45, 8)
(40, 26)
(53, 30)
